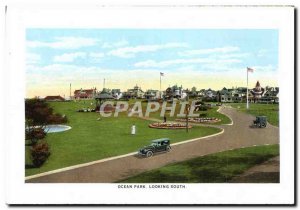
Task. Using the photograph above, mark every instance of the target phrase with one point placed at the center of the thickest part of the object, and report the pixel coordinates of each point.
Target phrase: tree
(38, 114)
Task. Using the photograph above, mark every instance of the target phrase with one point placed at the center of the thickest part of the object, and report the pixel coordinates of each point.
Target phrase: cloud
(262, 53)
(96, 55)
(64, 43)
(266, 68)
(115, 44)
(166, 63)
(32, 58)
(69, 57)
(129, 52)
(226, 49)
(234, 55)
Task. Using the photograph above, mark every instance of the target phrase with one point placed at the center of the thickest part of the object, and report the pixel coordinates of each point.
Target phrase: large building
(85, 93)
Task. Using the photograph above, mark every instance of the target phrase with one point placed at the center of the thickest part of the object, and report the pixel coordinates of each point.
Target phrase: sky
(201, 58)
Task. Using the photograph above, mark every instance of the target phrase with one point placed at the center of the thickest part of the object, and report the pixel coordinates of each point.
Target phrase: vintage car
(158, 145)
(260, 121)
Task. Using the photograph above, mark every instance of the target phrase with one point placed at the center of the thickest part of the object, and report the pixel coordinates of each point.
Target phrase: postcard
(167, 105)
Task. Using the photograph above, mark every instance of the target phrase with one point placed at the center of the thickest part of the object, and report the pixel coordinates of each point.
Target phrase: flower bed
(168, 125)
(200, 120)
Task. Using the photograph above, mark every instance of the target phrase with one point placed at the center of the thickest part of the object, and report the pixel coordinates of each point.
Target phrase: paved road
(238, 135)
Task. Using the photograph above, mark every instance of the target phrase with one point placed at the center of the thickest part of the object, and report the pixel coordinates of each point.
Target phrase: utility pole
(70, 90)
(248, 70)
(247, 92)
(160, 74)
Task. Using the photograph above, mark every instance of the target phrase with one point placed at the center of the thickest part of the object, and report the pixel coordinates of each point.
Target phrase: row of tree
(38, 114)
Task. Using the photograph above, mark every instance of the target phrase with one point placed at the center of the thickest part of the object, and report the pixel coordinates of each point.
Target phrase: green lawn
(90, 140)
(215, 168)
(269, 110)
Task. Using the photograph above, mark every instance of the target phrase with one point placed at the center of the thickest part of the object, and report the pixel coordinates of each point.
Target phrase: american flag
(162, 74)
(250, 70)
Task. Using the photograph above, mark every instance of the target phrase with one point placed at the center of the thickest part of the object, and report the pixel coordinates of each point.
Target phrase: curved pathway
(238, 135)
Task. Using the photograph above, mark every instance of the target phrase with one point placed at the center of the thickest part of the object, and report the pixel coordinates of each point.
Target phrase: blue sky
(124, 57)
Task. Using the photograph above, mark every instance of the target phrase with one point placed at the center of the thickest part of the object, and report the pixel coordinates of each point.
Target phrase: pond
(56, 128)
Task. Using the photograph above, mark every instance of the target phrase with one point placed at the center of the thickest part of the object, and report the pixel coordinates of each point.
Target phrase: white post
(247, 91)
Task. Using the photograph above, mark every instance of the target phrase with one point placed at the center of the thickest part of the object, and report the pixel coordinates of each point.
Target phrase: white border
(21, 16)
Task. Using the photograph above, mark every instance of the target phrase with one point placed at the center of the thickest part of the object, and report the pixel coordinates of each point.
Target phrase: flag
(250, 70)
(162, 74)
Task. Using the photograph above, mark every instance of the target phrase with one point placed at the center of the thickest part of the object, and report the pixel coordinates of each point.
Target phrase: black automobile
(158, 145)
(260, 121)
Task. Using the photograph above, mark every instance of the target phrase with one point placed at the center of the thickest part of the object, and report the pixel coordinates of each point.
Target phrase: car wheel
(263, 124)
(149, 154)
(168, 148)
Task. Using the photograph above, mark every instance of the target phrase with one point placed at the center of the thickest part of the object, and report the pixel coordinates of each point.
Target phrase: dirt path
(238, 135)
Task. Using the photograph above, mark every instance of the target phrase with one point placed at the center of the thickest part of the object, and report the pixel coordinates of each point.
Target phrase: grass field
(216, 168)
(90, 140)
(269, 110)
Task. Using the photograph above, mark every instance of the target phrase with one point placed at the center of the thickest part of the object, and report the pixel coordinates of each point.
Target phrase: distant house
(136, 92)
(271, 95)
(175, 92)
(115, 93)
(224, 95)
(192, 93)
(152, 94)
(239, 94)
(201, 93)
(256, 93)
(209, 95)
(232, 95)
(85, 94)
(54, 98)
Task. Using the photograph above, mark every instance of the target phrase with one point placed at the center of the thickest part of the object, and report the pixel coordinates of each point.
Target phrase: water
(56, 128)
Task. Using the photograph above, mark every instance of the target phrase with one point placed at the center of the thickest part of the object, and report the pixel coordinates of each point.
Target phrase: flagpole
(247, 91)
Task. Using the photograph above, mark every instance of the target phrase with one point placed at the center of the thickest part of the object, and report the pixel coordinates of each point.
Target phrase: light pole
(187, 110)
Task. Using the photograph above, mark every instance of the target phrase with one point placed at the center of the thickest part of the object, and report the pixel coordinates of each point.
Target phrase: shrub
(203, 115)
(203, 108)
(35, 133)
(57, 119)
(39, 154)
